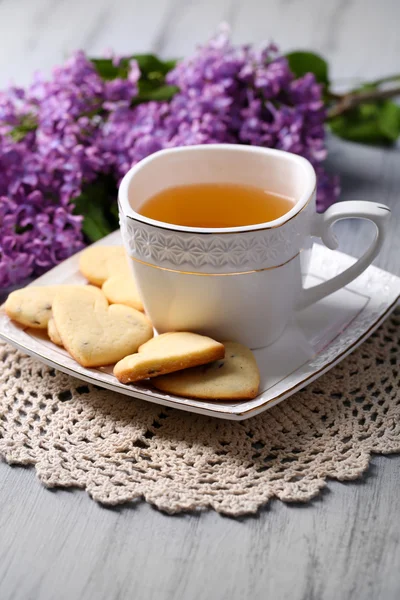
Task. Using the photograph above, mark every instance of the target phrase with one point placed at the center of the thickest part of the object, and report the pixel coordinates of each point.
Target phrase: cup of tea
(219, 238)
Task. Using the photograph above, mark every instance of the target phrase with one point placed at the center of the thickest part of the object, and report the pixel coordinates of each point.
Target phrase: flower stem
(353, 99)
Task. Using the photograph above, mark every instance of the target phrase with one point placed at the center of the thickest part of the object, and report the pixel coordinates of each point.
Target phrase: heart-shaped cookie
(52, 332)
(31, 306)
(121, 289)
(235, 377)
(94, 333)
(98, 263)
(167, 353)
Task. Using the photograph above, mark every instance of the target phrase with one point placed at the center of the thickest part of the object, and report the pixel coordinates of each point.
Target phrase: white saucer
(320, 337)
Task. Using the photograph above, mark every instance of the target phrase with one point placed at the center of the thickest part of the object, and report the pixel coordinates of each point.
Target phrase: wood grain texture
(60, 544)
(346, 544)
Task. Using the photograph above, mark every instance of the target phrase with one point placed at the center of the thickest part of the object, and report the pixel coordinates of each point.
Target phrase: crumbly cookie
(98, 263)
(167, 353)
(236, 377)
(94, 333)
(31, 306)
(121, 289)
(52, 332)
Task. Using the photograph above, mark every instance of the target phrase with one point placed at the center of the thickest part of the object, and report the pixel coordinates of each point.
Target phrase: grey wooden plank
(357, 37)
(371, 174)
(62, 545)
(345, 544)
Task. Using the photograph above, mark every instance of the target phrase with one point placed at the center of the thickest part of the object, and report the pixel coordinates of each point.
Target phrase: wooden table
(57, 545)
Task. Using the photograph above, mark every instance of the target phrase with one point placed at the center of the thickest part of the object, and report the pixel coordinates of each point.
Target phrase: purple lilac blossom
(41, 173)
(82, 126)
(227, 94)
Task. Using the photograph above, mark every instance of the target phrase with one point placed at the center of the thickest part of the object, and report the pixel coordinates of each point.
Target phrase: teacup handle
(379, 214)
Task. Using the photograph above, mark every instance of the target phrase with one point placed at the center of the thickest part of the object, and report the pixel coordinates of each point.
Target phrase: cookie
(94, 332)
(167, 353)
(236, 377)
(98, 263)
(52, 332)
(31, 306)
(121, 289)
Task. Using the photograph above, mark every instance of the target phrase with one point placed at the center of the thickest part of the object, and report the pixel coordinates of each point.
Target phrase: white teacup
(239, 283)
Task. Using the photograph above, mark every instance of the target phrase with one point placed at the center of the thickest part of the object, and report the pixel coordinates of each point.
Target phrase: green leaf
(95, 225)
(28, 123)
(368, 110)
(170, 64)
(97, 204)
(107, 70)
(357, 131)
(153, 70)
(150, 64)
(114, 212)
(151, 67)
(159, 93)
(370, 123)
(389, 120)
(301, 63)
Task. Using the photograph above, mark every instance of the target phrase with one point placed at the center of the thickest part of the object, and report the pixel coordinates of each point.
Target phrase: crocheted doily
(120, 449)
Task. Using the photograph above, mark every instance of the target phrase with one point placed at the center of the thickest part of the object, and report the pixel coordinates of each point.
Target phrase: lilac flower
(35, 236)
(43, 171)
(58, 136)
(227, 94)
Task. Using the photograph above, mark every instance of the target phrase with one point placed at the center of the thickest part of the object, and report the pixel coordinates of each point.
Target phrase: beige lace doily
(120, 449)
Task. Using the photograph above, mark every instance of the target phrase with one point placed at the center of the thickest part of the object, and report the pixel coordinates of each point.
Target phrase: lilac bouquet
(66, 142)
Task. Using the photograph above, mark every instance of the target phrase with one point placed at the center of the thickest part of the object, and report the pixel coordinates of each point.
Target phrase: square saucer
(317, 339)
